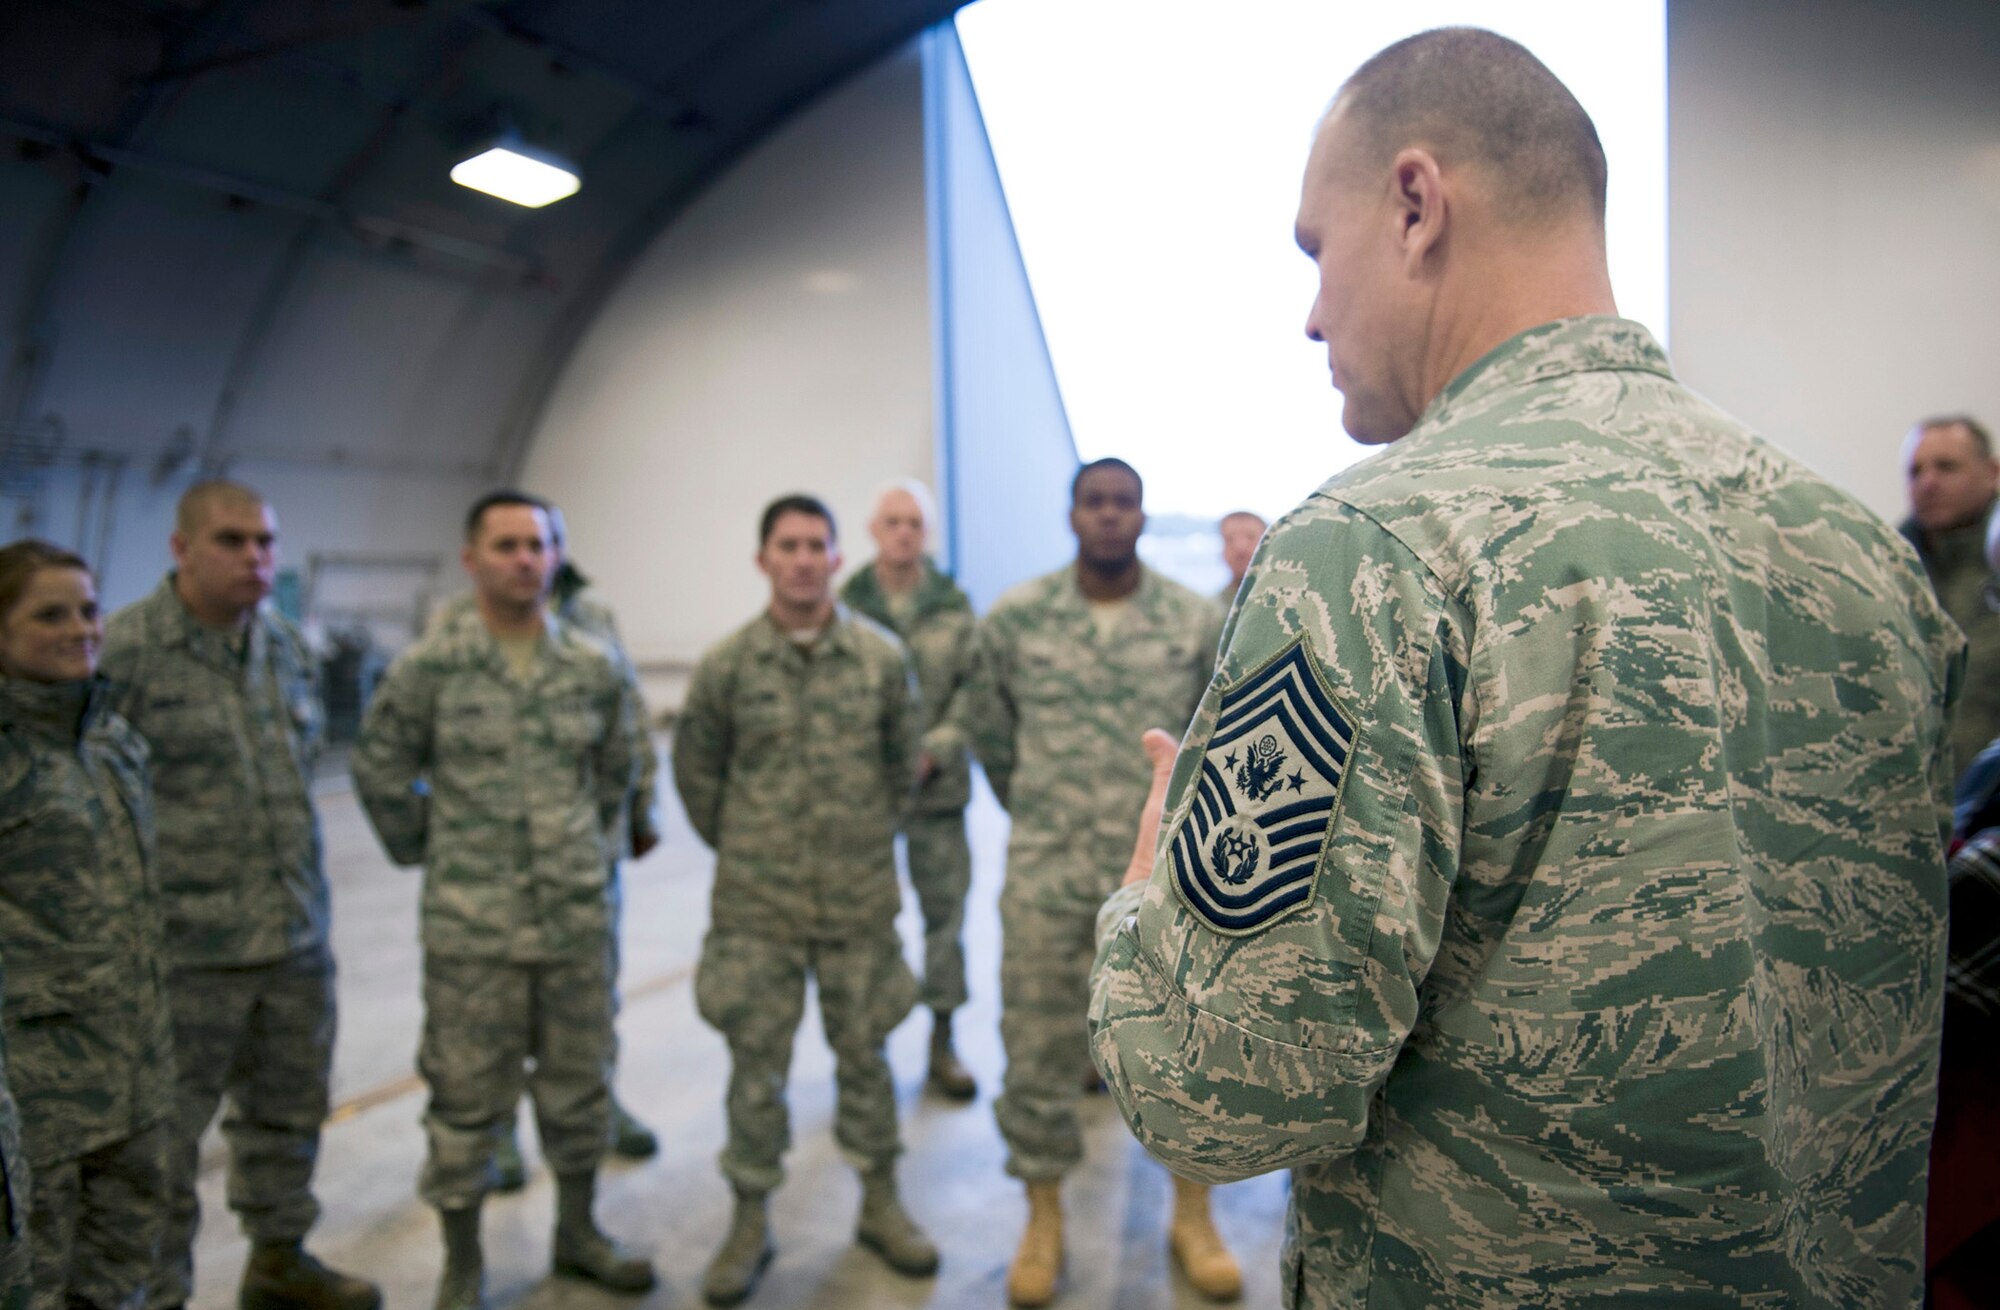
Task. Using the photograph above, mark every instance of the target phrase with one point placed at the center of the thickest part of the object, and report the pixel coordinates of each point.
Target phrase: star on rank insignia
(1246, 852)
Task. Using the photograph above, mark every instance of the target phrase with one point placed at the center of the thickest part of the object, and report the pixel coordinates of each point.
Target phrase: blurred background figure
(1241, 531)
(1953, 477)
(903, 590)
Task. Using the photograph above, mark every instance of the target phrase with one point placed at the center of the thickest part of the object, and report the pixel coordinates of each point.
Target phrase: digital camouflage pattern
(1621, 967)
(1056, 716)
(494, 1028)
(940, 633)
(88, 1044)
(97, 1222)
(797, 765)
(940, 863)
(261, 1034)
(751, 988)
(1955, 562)
(233, 733)
(583, 613)
(14, 1194)
(525, 785)
(234, 724)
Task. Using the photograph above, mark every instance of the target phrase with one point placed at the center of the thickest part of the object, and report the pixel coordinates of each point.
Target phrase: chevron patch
(1247, 851)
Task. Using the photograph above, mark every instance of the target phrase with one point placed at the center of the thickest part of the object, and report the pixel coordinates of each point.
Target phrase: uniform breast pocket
(575, 727)
(187, 729)
(470, 728)
(1047, 670)
(760, 719)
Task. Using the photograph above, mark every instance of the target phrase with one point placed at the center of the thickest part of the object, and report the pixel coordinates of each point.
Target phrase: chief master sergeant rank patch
(1247, 851)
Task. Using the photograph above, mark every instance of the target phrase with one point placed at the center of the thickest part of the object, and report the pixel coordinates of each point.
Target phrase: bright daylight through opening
(1151, 152)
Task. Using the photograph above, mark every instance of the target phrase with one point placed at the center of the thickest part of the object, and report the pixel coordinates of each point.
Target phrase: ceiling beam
(370, 228)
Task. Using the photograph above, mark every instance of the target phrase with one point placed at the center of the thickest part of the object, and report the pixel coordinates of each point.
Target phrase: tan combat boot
(745, 1255)
(1198, 1247)
(1038, 1264)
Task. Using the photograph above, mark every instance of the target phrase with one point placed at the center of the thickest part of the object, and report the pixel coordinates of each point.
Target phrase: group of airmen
(1544, 860)
(507, 752)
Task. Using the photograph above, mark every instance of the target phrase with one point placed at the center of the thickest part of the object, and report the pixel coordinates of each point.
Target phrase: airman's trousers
(941, 873)
(95, 1224)
(260, 1036)
(484, 1021)
(1045, 959)
(752, 990)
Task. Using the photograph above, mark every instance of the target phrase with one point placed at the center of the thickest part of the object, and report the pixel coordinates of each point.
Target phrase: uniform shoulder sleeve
(393, 754)
(122, 657)
(1257, 991)
(703, 739)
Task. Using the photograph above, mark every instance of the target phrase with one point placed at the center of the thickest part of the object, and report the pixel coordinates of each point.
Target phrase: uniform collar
(1595, 343)
(465, 627)
(936, 592)
(1145, 599)
(837, 639)
(1962, 547)
(60, 712)
(185, 630)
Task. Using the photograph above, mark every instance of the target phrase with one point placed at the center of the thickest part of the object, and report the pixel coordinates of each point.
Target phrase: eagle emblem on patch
(1246, 851)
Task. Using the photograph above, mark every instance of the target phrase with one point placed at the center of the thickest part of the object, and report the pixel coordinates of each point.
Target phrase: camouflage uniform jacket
(593, 619)
(1554, 873)
(509, 793)
(233, 740)
(1057, 714)
(1955, 562)
(796, 765)
(939, 634)
(89, 1039)
(14, 1171)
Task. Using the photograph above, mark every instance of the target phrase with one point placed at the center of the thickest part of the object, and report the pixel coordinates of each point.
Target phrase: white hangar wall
(776, 338)
(1834, 254)
(1834, 221)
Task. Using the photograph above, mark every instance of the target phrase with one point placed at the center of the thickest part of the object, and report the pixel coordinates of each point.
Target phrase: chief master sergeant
(1554, 874)
(226, 695)
(795, 754)
(499, 752)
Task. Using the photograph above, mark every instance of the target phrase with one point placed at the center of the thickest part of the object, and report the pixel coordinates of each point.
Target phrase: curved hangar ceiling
(227, 229)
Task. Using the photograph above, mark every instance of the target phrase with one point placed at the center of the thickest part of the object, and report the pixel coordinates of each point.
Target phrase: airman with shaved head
(1553, 874)
(227, 695)
(903, 590)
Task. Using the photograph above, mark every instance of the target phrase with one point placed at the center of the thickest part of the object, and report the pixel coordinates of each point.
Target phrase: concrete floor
(672, 1072)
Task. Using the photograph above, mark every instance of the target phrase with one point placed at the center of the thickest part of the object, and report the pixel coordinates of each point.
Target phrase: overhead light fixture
(515, 171)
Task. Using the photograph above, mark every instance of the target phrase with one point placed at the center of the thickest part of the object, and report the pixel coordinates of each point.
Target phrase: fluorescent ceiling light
(513, 170)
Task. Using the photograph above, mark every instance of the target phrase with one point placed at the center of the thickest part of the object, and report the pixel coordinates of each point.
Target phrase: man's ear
(1421, 212)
